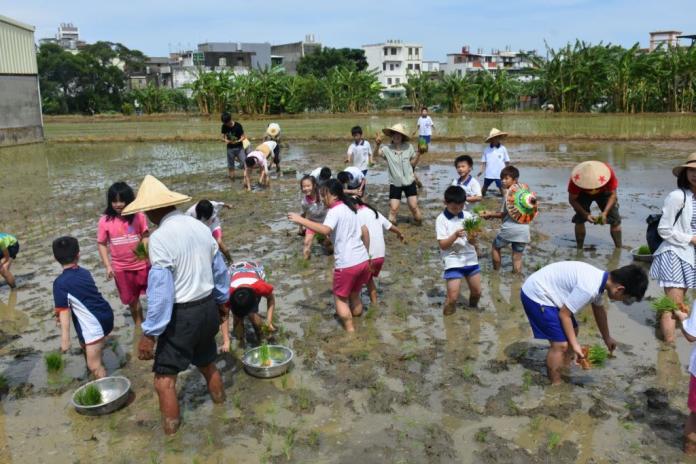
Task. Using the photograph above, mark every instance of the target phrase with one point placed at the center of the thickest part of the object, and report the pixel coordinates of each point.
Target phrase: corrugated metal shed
(17, 49)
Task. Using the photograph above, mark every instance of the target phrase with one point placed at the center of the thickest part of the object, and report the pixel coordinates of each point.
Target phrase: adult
(594, 181)
(273, 135)
(233, 135)
(401, 159)
(424, 125)
(674, 262)
(495, 158)
(188, 285)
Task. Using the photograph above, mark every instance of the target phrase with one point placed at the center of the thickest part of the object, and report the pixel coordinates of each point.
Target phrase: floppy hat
(398, 129)
(690, 163)
(273, 129)
(153, 194)
(521, 204)
(495, 133)
(590, 175)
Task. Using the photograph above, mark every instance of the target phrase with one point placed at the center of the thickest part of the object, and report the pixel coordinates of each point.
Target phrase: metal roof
(16, 23)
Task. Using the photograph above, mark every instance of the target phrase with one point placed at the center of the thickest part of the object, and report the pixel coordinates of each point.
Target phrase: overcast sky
(441, 26)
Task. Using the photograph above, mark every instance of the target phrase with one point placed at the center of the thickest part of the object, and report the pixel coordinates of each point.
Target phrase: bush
(127, 109)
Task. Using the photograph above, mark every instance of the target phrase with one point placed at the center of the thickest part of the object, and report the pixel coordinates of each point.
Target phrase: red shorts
(376, 266)
(131, 284)
(349, 280)
(692, 394)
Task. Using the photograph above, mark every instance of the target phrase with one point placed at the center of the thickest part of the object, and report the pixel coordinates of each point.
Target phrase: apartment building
(394, 60)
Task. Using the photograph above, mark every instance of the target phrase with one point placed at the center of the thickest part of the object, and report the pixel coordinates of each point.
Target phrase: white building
(432, 66)
(68, 37)
(394, 60)
(666, 38)
(467, 61)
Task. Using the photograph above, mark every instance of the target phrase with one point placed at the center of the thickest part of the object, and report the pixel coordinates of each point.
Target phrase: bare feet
(449, 309)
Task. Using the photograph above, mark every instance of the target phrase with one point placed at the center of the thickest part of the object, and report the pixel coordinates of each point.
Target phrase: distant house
(289, 55)
(394, 60)
(468, 61)
(666, 38)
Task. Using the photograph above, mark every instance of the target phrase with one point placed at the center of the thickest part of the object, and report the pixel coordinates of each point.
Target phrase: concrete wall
(262, 58)
(20, 110)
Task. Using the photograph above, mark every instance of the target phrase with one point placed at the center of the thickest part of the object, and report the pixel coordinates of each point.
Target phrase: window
(222, 62)
(417, 67)
(417, 49)
(389, 80)
(398, 80)
(386, 51)
(384, 66)
(410, 66)
(391, 67)
(393, 51)
(410, 51)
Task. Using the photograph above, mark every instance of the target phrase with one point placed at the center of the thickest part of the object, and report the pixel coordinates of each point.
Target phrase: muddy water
(408, 387)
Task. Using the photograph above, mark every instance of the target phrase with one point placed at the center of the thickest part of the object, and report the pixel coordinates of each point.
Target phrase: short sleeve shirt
(376, 225)
(314, 210)
(471, 186)
(7, 240)
(346, 236)
(360, 153)
(461, 253)
(122, 238)
(425, 126)
(495, 159)
(610, 186)
(213, 222)
(260, 159)
(233, 134)
(356, 177)
(399, 164)
(249, 274)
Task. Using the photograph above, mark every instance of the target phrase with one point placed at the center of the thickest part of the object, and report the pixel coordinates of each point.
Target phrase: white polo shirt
(376, 227)
(689, 326)
(570, 283)
(214, 220)
(425, 125)
(346, 235)
(357, 177)
(461, 253)
(471, 186)
(360, 154)
(495, 159)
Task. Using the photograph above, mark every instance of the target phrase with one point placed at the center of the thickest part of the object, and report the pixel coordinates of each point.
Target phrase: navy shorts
(425, 137)
(461, 272)
(487, 182)
(517, 247)
(545, 322)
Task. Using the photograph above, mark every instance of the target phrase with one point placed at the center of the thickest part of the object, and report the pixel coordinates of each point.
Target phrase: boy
(360, 151)
(9, 246)
(553, 295)
(208, 212)
(457, 250)
(511, 232)
(247, 286)
(425, 125)
(233, 135)
(353, 181)
(76, 295)
(464, 165)
(256, 160)
(273, 135)
(321, 175)
(688, 325)
(495, 158)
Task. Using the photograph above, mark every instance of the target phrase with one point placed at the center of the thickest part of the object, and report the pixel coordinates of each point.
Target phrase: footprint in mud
(652, 407)
(497, 449)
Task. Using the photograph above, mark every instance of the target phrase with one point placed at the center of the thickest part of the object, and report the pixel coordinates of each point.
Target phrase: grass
(4, 383)
(89, 396)
(400, 310)
(472, 225)
(304, 399)
(598, 355)
(644, 250)
(265, 355)
(478, 209)
(526, 380)
(553, 440)
(313, 438)
(54, 361)
(482, 435)
(289, 442)
(664, 304)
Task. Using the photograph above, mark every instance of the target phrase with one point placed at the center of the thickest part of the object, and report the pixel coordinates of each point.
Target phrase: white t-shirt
(357, 176)
(573, 284)
(689, 326)
(360, 154)
(461, 253)
(214, 221)
(349, 250)
(260, 159)
(495, 159)
(425, 125)
(271, 144)
(471, 186)
(375, 226)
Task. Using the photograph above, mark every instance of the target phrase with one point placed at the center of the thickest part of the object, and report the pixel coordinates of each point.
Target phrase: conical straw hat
(273, 129)
(521, 204)
(590, 175)
(153, 194)
(495, 133)
(397, 128)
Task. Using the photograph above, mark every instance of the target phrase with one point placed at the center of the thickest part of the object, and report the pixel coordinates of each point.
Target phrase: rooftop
(16, 23)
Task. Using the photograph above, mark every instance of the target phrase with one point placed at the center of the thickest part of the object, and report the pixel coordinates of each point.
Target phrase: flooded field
(409, 386)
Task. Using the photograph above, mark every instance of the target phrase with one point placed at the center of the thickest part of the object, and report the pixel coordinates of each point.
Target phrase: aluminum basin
(114, 391)
(281, 357)
(644, 258)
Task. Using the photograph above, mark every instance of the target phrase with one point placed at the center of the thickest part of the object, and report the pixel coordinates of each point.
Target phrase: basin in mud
(114, 392)
(280, 359)
(647, 258)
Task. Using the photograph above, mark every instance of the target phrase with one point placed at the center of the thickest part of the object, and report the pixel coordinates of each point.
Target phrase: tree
(320, 62)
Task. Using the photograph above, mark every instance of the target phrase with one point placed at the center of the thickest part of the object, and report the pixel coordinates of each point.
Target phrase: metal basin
(114, 391)
(644, 258)
(281, 357)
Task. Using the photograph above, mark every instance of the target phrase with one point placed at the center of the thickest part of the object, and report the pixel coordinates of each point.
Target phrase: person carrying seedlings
(247, 286)
(273, 135)
(314, 210)
(350, 241)
(688, 326)
(458, 251)
(376, 225)
(208, 212)
(353, 181)
(359, 152)
(257, 159)
(9, 246)
(674, 261)
(594, 182)
(118, 238)
(233, 136)
(519, 208)
(553, 295)
(424, 125)
(321, 175)
(464, 165)
(76, 296)
(188, 287)
(495, 158)
(401, 159)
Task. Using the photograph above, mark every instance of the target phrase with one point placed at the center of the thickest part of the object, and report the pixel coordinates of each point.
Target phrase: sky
(157, 27)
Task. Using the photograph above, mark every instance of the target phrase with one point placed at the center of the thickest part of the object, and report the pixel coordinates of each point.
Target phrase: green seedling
(265, 355)
(3, 382)
(597, 355)
(482, 435)
(140, 251)
(644, 250)
(599, 220)
(526, 380)
(553, 441)
(478, 209)
(664, 304)
(54, 362)
(472, 225)
(89, 396)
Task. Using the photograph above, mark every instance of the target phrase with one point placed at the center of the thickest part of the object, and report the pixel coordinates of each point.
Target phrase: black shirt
(233, 134)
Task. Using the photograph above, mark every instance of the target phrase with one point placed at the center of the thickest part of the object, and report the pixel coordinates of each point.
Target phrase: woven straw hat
(690, 163)
(521, 204)
(590, 175)
(273, 129)
(398, 129)
(495, 133)
(153, 194)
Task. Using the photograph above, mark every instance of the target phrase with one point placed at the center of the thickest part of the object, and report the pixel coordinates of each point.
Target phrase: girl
(312, 209)
(375, 222)
(352, 266)
(256, 159)
(208, 212)
(119, 236)
(9, 247)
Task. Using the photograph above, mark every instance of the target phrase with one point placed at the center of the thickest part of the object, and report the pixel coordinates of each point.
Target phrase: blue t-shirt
(92, 316)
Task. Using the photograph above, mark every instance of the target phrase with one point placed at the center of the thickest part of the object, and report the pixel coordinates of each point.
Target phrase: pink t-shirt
(122, 238)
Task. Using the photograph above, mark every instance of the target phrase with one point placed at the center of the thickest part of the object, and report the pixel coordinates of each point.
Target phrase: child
(353, 181)
(458, 251)
(9, 247)
(375, 223)
(273, 135)
(247, 286)
(514, 231)
(689, 330)
(207, 212)
(119, 236)
(464, 164)
(553, 295)
(312, 209)
(76, 295)
(425, 125)
(495, 158)
(322, 175)
(359, 152)
(352, 265)
(233, 135)
(256, 159)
